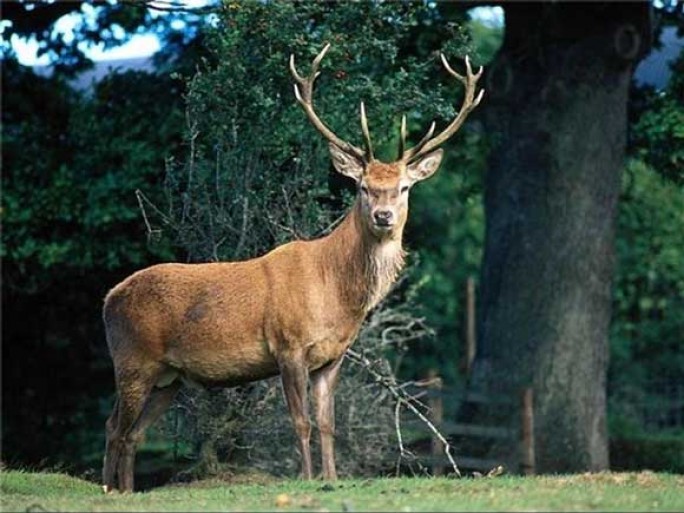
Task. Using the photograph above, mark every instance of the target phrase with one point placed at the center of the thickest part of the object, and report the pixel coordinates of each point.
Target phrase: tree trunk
(557, 112)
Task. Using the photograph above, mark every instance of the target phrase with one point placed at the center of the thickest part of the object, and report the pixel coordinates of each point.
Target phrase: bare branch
(178, 6)
(152, 234)
(404, 398)
(243, 227)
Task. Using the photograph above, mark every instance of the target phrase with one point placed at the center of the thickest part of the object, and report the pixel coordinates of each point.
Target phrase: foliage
(662, 453)
(79, 211)
(649, 292)
(487, 39)
(657, 132)
(233, 103)
(446, 228)
(646, 360)
(71, 229)
(645, 491)
(449, 252)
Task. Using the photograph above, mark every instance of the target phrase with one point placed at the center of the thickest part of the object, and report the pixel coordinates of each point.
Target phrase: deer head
(383, 188)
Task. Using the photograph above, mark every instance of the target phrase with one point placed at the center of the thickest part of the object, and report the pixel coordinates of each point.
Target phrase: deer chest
(328, 343)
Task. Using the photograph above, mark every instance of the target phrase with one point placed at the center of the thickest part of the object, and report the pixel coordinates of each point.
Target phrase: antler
(304, 92)
(428, 143)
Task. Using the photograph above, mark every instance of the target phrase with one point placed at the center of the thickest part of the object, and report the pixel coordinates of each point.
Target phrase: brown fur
(188, 316)
(383, 173)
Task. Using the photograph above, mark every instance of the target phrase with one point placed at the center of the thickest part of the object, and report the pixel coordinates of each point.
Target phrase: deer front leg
(295, 378)
(324, 382)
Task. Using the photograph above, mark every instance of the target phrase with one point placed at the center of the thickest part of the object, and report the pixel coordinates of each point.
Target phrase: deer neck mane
(366, 266)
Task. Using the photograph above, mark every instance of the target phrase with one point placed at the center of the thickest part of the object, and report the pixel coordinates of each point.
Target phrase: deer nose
(383, 217)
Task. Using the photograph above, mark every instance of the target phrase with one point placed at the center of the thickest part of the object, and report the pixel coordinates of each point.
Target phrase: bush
(664, 453)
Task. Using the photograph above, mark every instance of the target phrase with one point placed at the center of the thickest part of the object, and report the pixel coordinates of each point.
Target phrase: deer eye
(364, 190)
(404, 189)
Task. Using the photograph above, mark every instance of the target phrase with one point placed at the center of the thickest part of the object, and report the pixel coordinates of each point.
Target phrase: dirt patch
(231, 477)
(645, 478)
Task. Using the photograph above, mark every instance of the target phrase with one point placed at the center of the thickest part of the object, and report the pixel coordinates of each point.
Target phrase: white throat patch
(386, 260)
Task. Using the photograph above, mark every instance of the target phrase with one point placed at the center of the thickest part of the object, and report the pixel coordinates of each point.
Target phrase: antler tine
(293, 70)
(306, 84)
(303, 90)
(366, 133)
(404, 134)
(413, 152)
(469, 71)
(469, 103)
(451, 71)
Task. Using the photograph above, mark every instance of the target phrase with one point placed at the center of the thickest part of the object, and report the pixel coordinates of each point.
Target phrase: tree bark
(556, 108)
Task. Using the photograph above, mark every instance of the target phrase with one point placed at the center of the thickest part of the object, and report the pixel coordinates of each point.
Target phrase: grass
(644, 491)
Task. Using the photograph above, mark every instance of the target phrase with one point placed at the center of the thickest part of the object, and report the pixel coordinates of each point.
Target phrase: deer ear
(425, 167)
(346, 164)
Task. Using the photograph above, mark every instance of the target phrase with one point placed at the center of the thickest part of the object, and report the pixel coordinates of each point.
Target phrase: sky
(140, 45)
(145, 45)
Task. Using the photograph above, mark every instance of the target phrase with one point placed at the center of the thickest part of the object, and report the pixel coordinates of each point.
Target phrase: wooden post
(527, 440)
(437, 415)
(470, 325)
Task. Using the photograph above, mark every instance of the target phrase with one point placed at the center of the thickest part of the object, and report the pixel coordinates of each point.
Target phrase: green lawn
(645, 491)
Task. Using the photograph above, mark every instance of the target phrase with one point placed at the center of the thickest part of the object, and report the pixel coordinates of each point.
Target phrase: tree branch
(402, 397)
(178, 6)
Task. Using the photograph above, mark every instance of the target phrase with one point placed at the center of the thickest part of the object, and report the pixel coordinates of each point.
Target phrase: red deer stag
(293, 311)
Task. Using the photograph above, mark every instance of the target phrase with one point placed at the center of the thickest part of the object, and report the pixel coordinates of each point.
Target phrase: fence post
(527, 465)
(470, 325)
(437, 415)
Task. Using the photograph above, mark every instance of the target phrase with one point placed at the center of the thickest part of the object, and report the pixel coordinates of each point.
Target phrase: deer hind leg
(111, 450)
(324, 382)
(295, 378)
(136, 402)
(156, 404)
